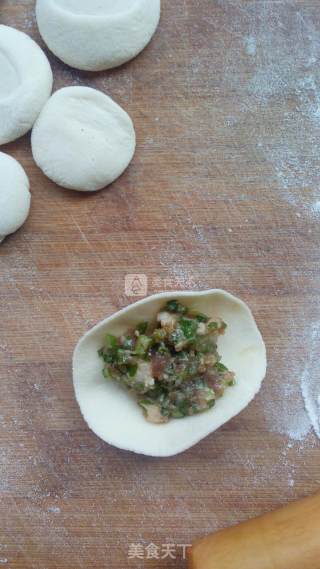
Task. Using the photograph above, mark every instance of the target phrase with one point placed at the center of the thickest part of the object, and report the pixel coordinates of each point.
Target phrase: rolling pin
(288, 538)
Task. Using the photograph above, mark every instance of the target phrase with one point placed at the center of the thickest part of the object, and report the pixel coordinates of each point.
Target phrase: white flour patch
(260, 473)
(296, 425)
(284, 408)
(285, 412)
(250, 45)
(315, 208)
(29, 21)
(54, 510)
(11, 468)
(310, 381)
(294, 408)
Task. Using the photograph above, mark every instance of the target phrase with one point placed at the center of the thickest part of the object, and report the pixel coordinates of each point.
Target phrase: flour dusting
(250, 44)
(292, 422)
(316, 207)
(54, 510)
(294, 410)
(310, 381)
(282, 88)
(285, 412)
(29, 21)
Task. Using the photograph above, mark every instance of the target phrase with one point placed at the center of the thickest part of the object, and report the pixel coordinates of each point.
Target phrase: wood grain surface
(223, 192)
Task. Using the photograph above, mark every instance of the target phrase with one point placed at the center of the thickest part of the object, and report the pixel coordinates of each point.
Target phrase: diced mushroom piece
(153, 414)
(204, 397)
(218, 388)
(202, 329)
(144, 375)
(168, 321)
(210, 359)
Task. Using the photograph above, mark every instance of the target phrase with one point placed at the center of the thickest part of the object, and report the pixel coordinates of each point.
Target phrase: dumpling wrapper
(113, 413)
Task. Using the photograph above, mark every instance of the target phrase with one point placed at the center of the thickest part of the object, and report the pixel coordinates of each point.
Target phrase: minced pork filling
(172, 365)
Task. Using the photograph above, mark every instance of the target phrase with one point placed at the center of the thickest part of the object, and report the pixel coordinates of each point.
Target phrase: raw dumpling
(25, 85)
(94, 35)
(15, 196)
(82, 139)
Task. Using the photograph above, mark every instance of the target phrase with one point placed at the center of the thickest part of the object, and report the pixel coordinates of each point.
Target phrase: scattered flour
(29, 22)
(316, 207)
(278, 106)
(285, 412)
(54, 510)
(250, 45)
(294, 409)
(310, 381)
(293, 404)
(298, 427)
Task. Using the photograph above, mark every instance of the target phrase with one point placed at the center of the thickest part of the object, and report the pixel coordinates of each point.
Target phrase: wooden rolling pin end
(288, 538)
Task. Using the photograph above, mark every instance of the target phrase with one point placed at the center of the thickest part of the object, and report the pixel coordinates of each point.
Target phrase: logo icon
(136, 285)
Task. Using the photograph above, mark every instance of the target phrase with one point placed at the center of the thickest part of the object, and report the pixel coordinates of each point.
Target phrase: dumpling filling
(172, 365)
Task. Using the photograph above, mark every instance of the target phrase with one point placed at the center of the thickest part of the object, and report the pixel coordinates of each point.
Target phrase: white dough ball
(15, 197)
(97, 34)
(25, 84)
(82, 139)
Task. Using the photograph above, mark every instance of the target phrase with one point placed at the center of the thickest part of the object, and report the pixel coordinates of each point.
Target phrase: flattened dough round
(15, 196)
(115, 416)
(97, 34)
(25, 83)
(82, 139)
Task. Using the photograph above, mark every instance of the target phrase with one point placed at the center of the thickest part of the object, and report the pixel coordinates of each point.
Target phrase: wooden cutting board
(223, 192)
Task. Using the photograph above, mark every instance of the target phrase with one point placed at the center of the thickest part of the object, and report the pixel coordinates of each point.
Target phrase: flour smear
(310, 381)
(293, 407)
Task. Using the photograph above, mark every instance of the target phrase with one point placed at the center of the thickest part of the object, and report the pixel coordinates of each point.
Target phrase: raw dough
(15, 197)
(26, 83)
(97, 34)
(115, 417)
(82, 139)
